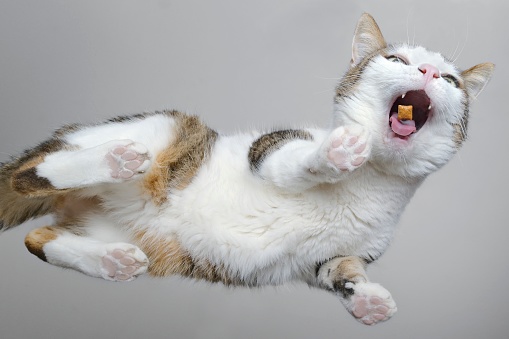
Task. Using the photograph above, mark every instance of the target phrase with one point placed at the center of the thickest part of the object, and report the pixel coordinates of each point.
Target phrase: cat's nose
(429, 71)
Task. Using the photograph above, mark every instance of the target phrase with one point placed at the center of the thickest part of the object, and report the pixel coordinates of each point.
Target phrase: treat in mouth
(405, 112)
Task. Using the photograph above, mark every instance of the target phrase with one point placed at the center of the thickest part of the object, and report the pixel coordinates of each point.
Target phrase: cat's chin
(395, 140)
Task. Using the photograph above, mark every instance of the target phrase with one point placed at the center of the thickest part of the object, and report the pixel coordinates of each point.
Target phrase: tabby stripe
(271, 142)
(350, 80)
(460, 129)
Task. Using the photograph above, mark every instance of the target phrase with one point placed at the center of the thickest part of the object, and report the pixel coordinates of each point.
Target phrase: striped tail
(16, 204)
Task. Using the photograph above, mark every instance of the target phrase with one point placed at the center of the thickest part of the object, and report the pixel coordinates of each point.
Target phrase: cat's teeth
(429, 107)
(403, 96)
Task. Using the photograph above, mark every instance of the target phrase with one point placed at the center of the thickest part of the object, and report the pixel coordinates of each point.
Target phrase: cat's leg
(112, 162)
(299, 159)
(80, 156)
(346, 277)
(114, 261)
(144, 146)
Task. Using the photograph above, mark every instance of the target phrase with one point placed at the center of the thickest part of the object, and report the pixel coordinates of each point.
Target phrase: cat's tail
(17, 207)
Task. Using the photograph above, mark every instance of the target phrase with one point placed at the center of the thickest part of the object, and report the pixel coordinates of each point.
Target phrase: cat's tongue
(403, 128)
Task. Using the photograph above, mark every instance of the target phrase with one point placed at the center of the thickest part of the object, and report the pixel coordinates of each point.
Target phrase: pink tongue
(400, 128)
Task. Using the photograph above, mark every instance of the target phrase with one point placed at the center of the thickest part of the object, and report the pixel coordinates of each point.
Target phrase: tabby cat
(162, 193)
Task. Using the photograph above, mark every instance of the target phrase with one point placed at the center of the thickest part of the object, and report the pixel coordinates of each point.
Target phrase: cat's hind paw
(348, 147)
(369, 303)
(123, 262)
(127, 159)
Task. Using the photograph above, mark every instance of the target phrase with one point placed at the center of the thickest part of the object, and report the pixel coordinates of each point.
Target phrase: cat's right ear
(367, 39)
(477, 77)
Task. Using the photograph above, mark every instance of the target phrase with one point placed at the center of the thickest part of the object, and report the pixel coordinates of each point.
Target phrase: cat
(163, 193)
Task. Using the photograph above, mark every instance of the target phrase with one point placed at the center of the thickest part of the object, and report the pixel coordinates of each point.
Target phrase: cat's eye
(395, 58)
(451, 79)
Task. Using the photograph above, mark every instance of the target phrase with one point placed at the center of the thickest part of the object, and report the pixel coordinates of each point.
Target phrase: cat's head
(383, 76)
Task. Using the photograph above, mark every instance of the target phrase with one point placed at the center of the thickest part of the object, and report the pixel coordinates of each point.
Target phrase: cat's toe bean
(358, 161)
(128, 269)
(129, 155)
(360, 148)
(352, 140)
(132, 165)
(127, 261)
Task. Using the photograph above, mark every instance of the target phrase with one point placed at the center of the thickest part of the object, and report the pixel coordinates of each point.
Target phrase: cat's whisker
(452, 57)
(413, 38)
(407, 32)
(409, 14)
(464, 43)
(480, 91)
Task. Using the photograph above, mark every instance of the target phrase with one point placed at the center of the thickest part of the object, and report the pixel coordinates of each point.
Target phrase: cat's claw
(123, 262)
(127, 159)
(348, 147)
(369, 303)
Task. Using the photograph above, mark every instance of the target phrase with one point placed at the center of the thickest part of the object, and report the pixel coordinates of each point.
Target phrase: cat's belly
(273, 239)
(234, 219)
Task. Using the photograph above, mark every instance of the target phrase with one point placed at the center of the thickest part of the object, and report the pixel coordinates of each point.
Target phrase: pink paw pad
(370, 310)
(348, 148)
(125, 161)
(371, 303)
(124, 265)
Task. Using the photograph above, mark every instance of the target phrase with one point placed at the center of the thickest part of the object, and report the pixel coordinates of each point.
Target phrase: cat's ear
(367, 39)
(477, 77)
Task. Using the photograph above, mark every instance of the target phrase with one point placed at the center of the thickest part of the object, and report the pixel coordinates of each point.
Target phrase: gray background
(239, 65)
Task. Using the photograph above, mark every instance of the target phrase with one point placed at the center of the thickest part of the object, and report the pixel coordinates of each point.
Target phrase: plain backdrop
(242, 65)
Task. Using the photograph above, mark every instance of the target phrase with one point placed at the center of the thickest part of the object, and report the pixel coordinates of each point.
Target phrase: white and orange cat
(162, 193)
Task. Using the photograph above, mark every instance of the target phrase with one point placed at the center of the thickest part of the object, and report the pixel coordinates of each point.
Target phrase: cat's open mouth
(421, 106)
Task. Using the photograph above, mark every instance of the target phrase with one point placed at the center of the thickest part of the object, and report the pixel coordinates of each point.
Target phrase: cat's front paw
(369, 303)
(348, 147)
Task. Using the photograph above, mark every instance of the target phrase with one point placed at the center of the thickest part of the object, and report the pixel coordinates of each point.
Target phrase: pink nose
(429, 71)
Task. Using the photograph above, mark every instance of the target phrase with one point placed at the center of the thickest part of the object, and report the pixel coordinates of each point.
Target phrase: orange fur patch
(36, 239)
(167, 257)
(176, 166)
(350, 269)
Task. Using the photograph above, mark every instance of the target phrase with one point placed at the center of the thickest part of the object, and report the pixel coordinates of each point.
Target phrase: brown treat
(404, 112)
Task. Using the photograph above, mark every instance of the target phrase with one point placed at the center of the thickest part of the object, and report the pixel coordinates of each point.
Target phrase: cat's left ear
(367, 39)
(477, 77)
